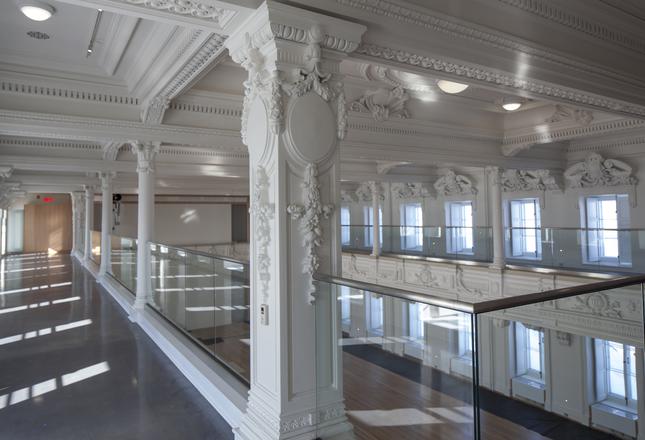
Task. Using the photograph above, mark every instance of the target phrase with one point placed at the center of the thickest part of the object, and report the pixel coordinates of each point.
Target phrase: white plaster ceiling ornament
(262, 212)
(452, 184)
(383, 103)
(564, 113)
(153, 111)
(194, 8)
(597, 171)
(406, 190)
(528, 180)
(310, 214)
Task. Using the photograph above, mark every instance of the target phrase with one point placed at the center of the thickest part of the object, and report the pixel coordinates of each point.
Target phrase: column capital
(106, 179)
(286, 37)
(495, 174)
(146, 153)
(287, 49)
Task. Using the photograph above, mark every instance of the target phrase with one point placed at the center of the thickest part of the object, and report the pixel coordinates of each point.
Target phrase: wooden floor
(383, 406)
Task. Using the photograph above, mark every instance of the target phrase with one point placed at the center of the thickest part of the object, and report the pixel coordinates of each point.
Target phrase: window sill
(605, 414)
(528, 388)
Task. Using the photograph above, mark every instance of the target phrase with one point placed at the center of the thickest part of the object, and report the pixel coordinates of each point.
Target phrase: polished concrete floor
(72, 366)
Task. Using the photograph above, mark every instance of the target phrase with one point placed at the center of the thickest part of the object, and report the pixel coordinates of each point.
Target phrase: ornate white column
(106, 222)
(294, 116)
(77, 226)
(497, 216)
(89, 222)
(146, 152)
(376, 237)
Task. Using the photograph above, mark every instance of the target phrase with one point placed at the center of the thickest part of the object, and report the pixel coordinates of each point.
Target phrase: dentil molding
(514, 144)
(23, 88)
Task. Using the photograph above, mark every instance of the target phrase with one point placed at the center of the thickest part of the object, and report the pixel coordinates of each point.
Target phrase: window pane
(616, 383)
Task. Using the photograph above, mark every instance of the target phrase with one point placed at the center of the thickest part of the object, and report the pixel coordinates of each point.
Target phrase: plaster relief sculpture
(263, 213)
(254, 65)
(409, 191)
(383, 104)
(528, 180)
(319, 82)
(460, 283)
(366, 190)
(596, 171)
(452, 184)
(598, 304)
(346, 196)
(426, 278)
(310, 214)
(564, 113)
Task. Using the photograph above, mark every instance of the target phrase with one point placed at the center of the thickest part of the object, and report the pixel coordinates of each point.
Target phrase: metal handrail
(489, 305)
(407, 295)
(204, 254)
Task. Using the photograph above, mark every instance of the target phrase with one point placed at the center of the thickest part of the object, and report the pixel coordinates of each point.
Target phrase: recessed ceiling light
(511, 104)
(37, 11)
(451, 87)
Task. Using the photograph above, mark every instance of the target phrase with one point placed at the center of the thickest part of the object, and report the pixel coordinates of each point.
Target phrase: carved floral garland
(310, 214)
(263, 213)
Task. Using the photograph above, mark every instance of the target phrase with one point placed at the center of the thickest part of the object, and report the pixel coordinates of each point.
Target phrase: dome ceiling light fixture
(36, 11)
(451, 87)
(512, 104)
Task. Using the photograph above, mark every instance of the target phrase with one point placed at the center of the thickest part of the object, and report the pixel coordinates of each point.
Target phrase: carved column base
(260, 422)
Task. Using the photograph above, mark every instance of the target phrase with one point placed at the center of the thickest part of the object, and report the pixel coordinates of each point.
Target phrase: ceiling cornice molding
(188, 72)
(470, 31)
(550, 11)
(211, 109)
(192, 152)
(18, 123)
(48, 143)
(203, 11)
(25, 88)
(362, 122)
(617, 146)
(515, 144)
(477, 73)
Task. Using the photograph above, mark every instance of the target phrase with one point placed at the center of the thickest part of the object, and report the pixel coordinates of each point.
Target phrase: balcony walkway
(72, 366)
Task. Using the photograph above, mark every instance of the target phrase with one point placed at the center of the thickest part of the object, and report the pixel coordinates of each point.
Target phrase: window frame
(519, 234)
(456, 240)
(345, 228)
(523, 350)
(603, 370)
(411, 241)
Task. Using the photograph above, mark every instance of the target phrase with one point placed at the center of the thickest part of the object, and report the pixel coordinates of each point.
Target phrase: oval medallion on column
(312, 128)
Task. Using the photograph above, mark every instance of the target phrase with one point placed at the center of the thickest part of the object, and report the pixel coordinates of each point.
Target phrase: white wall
(181, 223)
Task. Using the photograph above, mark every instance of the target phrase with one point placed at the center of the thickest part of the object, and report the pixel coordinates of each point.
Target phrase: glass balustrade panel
(394, 368)
(123, 264)
(208, 299)
(96, 246)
